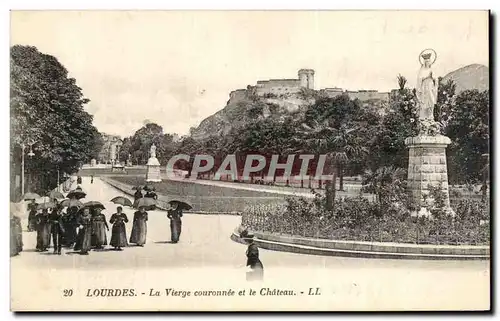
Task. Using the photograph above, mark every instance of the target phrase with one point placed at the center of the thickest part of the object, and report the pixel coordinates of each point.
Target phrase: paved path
(207, 254)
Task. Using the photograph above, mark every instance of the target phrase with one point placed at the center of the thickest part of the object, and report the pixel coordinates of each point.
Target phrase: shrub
(359, 219)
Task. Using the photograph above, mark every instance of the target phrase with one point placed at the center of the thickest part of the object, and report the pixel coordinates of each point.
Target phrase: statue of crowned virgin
(426, 90)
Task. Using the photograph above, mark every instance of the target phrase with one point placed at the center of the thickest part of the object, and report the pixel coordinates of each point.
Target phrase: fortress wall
(279, 82)
(368, 95)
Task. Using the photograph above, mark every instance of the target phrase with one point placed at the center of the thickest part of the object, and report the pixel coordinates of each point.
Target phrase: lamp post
(30, 154)
(58, 184)
(486, 168)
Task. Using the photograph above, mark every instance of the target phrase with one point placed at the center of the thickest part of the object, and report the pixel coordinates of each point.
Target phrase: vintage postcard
(250, 161)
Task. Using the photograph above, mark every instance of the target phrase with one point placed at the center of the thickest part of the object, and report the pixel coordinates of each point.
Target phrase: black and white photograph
(327, 160)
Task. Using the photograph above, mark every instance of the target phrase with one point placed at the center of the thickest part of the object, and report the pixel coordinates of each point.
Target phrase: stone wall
(368, 95)
(278, 86)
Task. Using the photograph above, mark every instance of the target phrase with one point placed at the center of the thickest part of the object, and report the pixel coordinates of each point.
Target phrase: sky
(176, 68)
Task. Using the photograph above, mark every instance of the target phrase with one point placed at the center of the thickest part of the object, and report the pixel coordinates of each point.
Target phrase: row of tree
(47, 113)
(356, 137)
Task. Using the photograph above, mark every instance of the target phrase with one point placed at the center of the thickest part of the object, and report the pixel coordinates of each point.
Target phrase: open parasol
(44, 206)
(30, 196)
(149, 188)
(43, 199)
(56, 195)
(94, 204)
(71, 203)
(180, 204)
(77, 193)
(148, 203)
(122, 201)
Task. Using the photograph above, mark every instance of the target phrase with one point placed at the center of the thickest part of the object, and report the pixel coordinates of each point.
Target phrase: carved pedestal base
(427, 167)
(153, 173)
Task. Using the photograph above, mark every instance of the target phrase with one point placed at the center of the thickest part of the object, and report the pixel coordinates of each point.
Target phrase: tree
(445, 100)
(383, 182)
(144, 138)
(387, 148)
(340, 110)
(126, 148)
(346, 146)
(468, 129)
(322, 139)
(47, 108)
(189, 146)
(98, 144)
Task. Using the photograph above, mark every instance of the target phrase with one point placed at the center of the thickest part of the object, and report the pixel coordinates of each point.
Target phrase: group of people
(174, 212)
(83, 229)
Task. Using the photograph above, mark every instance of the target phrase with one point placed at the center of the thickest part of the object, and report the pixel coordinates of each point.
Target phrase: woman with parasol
(175, 215)
(118, 232)
(253, 262)
(83, 242)
(99, 224)
(139, 227)
(43, 230)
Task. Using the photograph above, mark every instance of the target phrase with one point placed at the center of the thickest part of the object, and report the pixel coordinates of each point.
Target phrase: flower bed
(358, 219)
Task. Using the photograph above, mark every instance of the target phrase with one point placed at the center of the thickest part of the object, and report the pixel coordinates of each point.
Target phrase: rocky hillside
(470, 77)
(243, 108)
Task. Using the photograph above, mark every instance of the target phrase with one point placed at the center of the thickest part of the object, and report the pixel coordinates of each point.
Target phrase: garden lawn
(208, 198)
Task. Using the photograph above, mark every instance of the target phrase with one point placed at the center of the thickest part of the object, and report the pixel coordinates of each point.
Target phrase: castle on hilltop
(286, 86)
(279, 87)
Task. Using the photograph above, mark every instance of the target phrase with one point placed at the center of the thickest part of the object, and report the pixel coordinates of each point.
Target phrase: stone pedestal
(427, 166)
(153, 173)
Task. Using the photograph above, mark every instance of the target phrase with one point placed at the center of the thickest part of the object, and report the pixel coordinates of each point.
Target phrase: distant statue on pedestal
(153, 166)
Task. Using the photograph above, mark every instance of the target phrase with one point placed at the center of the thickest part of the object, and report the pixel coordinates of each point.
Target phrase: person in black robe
(137, 194)
(57, 229)
(43, 231)
(70, 224)
(16, 235)
(99, 228)
(253, 262)
(79, 180)
(91, 179)
(32, 216)
(139, 227)
(118, 232)
(151, 194)
(175, 215)
(84, 239)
